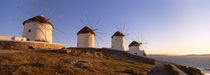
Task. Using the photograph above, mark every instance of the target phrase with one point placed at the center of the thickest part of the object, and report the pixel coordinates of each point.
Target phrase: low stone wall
(25, 45)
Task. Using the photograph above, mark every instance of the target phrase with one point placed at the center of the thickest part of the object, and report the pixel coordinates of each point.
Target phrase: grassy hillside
(62, 63)
(77, 61)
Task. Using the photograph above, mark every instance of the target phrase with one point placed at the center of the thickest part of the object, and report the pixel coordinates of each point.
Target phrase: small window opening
(30, 47)
(29, 30)
(28, 39)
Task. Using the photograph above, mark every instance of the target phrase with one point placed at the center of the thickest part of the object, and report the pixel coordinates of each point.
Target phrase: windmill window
(29, 30)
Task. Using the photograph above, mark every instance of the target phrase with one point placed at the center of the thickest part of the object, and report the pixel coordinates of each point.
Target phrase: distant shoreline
(180, 59)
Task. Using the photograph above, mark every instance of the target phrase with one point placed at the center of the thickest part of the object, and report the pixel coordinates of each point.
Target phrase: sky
(174, 27)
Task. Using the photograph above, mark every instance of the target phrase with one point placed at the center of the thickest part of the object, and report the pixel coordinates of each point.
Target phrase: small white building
(86, 38)
(118, 41)
(12, 38)
(38, 29)
(135, 49)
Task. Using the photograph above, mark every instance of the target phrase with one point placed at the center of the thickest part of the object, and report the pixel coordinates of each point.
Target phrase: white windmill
(136, 47)
(39, 28)
(118, 38)
(86, 36)
(118, 41)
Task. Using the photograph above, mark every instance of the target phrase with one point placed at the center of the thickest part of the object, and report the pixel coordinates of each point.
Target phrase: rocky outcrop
(171, 69)
(163, 70)
(189, 70)
(99, 52)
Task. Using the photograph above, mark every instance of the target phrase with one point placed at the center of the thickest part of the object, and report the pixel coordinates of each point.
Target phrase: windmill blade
(78, 27)
(46, 8)
(95, 29)
(94, 25)
(60, 23)
(83, 22)
(54, 35)
(97, 22)
(142, 38)
(97, 43)
(98, 37)
(126, 34)
(123, 29)
(136, 36)
(144, 42)
(92, 22)
(35, 6)
(56, 38)
(126, 30)
(129, 38)
(117, 27)
(25, 11)
(88, 20)
(127, 42)
(19, 33)
(51, 12)
(100, 33)
(18, 20)
(60, 31)
(144, 47)
(54, 18)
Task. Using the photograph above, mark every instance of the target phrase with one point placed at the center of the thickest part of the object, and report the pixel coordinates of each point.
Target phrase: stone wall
(25, 45)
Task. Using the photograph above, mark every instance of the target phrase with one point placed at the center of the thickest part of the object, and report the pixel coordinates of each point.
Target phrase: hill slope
(74, 61)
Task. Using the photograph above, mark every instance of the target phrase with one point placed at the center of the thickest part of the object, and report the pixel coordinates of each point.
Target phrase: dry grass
(49, 63)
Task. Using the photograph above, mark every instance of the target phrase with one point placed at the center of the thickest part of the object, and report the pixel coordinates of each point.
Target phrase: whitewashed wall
(5, 38)
(86, 40)
(19, 38)
(12, 38)
(118, 43)
(39, 31)
(137, 52)
(134, 48)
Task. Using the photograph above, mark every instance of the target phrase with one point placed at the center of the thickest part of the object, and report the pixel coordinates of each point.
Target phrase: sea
(201, 62)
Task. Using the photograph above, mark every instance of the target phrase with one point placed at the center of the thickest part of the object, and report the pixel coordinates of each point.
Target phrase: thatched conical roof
(86, 29)
(39, 18)
(135, 43)
(118, 33)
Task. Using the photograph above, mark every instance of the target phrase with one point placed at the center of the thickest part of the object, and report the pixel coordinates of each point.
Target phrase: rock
(190, 70)
(83, 64)
(208, 69)
(163, 70)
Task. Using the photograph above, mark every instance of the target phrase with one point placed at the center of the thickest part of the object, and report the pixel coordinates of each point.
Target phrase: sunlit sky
(168, 26)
